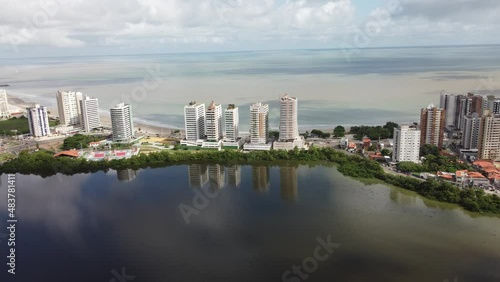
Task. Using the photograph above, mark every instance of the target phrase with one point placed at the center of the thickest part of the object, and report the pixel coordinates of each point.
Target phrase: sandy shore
(17, 105)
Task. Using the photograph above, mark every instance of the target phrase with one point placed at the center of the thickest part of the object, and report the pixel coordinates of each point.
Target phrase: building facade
(213, 121)
(122, 123)
(470, 135)
(289, 130)
(449, 104)
(406, 144)
(432, 123)
(38, 121)
(194, 121)
(232, 120)
(4, 105)
(89, 108)
(489, 137)
(259, 123)
(68, 105)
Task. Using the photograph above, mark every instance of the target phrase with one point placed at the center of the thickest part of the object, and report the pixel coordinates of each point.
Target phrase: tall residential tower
(122, 123)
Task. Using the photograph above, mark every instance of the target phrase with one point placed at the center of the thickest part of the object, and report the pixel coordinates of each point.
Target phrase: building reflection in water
(234, 175)
(126, 175)
(216, 176)
(198, 175)
(260, 178)
(289, 182)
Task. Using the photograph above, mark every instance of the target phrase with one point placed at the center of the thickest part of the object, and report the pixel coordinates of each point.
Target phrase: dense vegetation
(16, 126)
(374, 132)
(9, 126)
(78, 141)
(44, 164)
(433, 161)
(339, 131)
(320, 133)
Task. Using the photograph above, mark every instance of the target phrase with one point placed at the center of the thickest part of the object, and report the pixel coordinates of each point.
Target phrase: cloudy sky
(81, 27)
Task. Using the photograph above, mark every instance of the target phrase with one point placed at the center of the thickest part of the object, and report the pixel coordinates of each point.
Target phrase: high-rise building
(470, 135)
(232, 120)
(449, 104)
(213, 122)
(122, 123)
(4, 105)
(289, 130)
(194, 121)
(464, 109)
(259, 123)
(406, 144)
(488, 103)
(477, 104)
(68, 104)
(38, 121)
(496, 107)
(432, 126)
(89, 108)
(489, 137)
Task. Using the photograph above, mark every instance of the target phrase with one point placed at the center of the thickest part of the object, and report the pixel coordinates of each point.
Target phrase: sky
(33, 28)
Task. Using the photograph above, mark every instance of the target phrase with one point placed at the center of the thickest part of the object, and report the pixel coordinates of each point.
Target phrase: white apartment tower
(406, 144)
(213, 122)
(470, 137)
(232, 120)
(38, 121)
(489, 137)
(4, 105)
(289, 130)
(259, 123)
(194, 121)
(89, 108)
(449, 104)
(68, 105)
(122, 123)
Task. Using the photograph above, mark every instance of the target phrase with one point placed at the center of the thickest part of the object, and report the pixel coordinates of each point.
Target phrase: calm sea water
(257, 223)
(372, 87)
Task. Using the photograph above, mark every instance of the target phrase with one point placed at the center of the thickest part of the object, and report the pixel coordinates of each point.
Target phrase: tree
(429, 149)
(385, 152)
(339, 131)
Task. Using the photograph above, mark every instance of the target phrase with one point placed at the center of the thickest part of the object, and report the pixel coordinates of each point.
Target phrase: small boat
(4, 85)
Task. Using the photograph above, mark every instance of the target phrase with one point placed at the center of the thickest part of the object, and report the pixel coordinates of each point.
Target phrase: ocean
(371, 87)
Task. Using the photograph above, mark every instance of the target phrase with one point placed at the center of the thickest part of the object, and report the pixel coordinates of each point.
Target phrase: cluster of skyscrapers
(210, 128)
(473, 120)
(81, 113)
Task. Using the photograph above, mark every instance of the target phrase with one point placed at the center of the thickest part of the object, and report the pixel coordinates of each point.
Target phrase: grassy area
(5, 157)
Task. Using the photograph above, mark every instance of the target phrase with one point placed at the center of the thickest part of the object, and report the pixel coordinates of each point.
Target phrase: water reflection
(234, 176)
(198, 175)
(260, 178)
(216, 176)
(126, 175)
(288, 182)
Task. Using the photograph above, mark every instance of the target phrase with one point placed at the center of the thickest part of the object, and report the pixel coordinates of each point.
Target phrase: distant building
(496, 107)
(449, 104)
(289, 137)
(68, 104)
(38, 121)
(4, 105)
(89, 108)
(232, 120)
(213, 122)
(464, 109)
(470, 135)
(259, 127)
(406, 144)
(194, 121)
(122, 123)
(489, 137)
(432, 123)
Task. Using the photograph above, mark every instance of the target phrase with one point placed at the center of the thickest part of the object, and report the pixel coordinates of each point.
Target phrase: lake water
(255, 224)
(372, 87)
